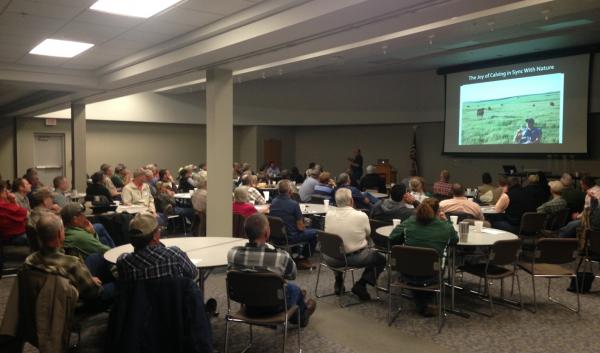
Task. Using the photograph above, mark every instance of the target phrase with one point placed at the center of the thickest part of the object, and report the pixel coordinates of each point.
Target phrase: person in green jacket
(425, 229)
(90, 240)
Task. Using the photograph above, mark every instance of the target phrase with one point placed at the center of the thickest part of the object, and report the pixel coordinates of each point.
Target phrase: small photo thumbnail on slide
(527, 110)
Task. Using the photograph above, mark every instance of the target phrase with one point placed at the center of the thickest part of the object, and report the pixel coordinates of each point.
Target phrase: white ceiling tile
(218, 6)
(124, 44)
(40, 60)
(45, 9)
(158, 26)
(12, 52)
(188, 17)
(93, 59)
(88, 32)
(144, 37)
(107, 19)
(12, 23)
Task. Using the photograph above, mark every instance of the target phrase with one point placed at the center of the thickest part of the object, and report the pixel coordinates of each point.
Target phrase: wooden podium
(386, 171)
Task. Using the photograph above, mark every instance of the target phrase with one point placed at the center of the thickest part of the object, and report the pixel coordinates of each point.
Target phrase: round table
(314, 208)
(183, 196)
(487, 237)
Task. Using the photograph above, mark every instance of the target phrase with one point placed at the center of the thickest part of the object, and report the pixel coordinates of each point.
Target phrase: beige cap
(143, 224)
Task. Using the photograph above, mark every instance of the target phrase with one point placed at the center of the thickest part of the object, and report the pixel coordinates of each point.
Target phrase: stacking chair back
(557, 251)
(505, 252)
(317, 199)
(278, 230)
(557, 219)
(415, 261)
(381, 242)
(238, 226)
(332, 246)
(593, 240)
(532, 223)
(461, 215)
(242, 288)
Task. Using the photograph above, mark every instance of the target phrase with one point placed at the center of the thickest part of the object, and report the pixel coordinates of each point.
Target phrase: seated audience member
(166, 205)
(412, 173)
(21, 188)
(51, 259)
(273, 170)
(165, 176)
(519, 202)
(395, 207)
(325, 186)
(138, 192)
(372, 181)
(488, 193)
(150, 259)
(96, 191)
(557, 203)
(126, 175)
(61, 186)
(203, 170)
(108, 172)
(296, 176)
(150, 181)
(153, 168)
(537, 192)
(460, 204)
(354, 228)
(425, 229)
(284, 207)
(361, 199)
(32, 176)
(42, 202)
(259, 256)
(285, 174)
(199, 195)
(308, 186)
(589, 187)
(13, 219)
(594, 212)
(249, 181)
(503, 200)
(443, 187)
(186, 183)
(308, 171)
(117, 177)
(237, 171)
(416, 189)
(241, 202)
(575, 198)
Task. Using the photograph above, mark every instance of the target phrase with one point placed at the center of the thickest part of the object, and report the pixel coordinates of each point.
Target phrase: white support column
(219, 151)
(78, 147)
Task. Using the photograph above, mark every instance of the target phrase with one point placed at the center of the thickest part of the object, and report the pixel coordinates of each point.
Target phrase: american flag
(414, 164)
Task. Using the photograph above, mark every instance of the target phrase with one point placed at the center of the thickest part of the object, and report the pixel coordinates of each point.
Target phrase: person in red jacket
(12, 218)
(241, 202)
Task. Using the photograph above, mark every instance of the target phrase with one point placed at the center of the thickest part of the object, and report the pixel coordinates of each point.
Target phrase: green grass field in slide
(502, 118)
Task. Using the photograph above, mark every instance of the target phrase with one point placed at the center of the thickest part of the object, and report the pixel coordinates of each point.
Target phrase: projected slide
(521, 111)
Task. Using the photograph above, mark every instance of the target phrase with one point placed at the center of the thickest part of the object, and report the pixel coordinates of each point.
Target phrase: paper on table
(492, 231)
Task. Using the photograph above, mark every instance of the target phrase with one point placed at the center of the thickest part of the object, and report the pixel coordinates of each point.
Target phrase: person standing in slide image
(530, 134)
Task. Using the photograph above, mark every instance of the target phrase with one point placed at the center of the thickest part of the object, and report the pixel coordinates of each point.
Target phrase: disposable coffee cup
(74, 193)
(478, 226)
(396, 222)
(191, 192)
(266, 193)
(454, 220)
(326, 204)
(117, 202)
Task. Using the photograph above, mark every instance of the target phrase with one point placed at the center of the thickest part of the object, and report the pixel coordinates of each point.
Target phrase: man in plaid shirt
(258, 256)
(442, 186)
(150, 258)
(249, 180)
(557, 203)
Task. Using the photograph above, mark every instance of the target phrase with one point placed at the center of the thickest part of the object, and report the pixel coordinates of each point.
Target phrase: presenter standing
(356, 165)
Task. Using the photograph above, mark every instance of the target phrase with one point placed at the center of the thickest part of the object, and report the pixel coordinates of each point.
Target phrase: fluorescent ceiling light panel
(133, 8)
(60, 48)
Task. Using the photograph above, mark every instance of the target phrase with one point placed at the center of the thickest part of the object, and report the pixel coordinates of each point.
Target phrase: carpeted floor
(363, 328)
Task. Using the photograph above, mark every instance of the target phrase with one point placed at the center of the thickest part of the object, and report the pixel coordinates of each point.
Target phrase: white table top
(313, 208)
(132, 209)
(262, 208)
(379, 195)
(79, 195)
(183, 195)
(483, 238)
(205, 252)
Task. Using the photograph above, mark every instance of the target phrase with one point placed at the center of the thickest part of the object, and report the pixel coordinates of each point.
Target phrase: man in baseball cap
(150, 258)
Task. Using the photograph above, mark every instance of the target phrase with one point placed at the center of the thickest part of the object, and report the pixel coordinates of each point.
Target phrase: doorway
(49, 156)
(272, 151)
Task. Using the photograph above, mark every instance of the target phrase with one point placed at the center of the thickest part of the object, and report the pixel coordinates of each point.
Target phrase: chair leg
(562, 304)
(299, 329)
(534, 295)
(317, 283)
(519, 288)
(226, 335)
(285, 328)
(489, 293)
(440, 310)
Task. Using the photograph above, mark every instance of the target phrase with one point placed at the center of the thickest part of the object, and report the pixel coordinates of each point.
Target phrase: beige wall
(6, 148)
(332, 145)
(245, 144)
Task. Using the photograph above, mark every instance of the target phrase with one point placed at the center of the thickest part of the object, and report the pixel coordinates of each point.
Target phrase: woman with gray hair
(199, 195)
(241, 202)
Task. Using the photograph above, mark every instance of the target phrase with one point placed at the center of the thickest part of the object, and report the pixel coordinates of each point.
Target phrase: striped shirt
(155, 261)
(256, 196)
(261, 258)
(553, 206)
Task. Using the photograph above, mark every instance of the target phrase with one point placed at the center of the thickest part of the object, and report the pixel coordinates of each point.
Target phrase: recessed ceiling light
(133, 8)
(60, 48)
